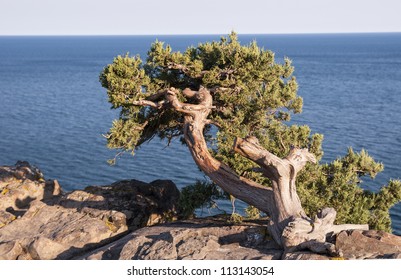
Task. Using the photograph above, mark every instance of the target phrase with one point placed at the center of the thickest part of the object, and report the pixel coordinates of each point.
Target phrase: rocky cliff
(136, 220)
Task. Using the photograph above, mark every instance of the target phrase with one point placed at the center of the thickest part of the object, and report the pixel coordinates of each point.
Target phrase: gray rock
(22, 170)
(142, 204)
(6, 218)
(20, 185)
(52, 225)
(210, 238)
(49, 232)
(304, 255)
(198, 239)
(118, 221)
(369, 244)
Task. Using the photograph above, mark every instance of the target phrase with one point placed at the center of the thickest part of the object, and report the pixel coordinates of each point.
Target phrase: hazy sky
(82, 17)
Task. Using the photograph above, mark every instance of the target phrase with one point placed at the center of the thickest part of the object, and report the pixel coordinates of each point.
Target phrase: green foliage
(236, 218)
(124, 80)
(251, 91)
(339, 185)
(252, 212)
(252, 95)
(199, 195)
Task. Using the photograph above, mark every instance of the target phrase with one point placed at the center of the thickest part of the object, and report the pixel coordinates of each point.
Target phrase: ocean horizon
(200, 34)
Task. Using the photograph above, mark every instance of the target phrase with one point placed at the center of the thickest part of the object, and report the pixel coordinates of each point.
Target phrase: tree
(246, 96)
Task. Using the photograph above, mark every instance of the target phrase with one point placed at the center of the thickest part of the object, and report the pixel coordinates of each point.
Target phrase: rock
(305, 255)
(22, 170)
(6, 218)
(209, 238)
(356, 244)
(11, 250)
(21, 184)
(49, 232)
(42, 248)
(52, 225)
(143, 204)
(198, 239)
(123, 221)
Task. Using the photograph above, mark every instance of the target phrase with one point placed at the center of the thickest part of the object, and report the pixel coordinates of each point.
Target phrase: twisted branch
(224, 73)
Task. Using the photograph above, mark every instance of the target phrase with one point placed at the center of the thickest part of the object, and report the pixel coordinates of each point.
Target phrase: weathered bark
(297, 230)
(242, 188)
(288, 225)
(282, 174)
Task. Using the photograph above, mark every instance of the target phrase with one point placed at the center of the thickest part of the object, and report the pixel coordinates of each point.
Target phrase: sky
(138, 17)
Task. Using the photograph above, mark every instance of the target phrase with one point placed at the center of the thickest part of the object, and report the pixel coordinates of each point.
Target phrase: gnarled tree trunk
(288, 225)
(297, 230)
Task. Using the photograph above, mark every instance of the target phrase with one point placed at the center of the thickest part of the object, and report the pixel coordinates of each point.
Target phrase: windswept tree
(230, 104)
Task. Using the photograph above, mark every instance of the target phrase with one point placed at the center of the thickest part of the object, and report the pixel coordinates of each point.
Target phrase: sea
(54, 112)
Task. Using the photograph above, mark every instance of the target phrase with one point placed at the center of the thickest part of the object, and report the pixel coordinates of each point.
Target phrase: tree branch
(170, 96)
(299, 157)
(184, 69)
(235, 89)
(224, 73)
(156, 96)
(185, 108)
(176, 66)
(251, 149)
(187, 92)
(142, 127)
(208, 121)
(144, 102)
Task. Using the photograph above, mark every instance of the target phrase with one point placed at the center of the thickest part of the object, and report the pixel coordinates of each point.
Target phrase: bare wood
(338, 228)
(250, 148)
(212, 122)
(170, 96)
(244, 189)
(189, 93)
(144, 102)
(224, 73)
(156, 96)
(184, 69)
(177, 66)
(187, 108)
(142, 127)
(302, 234)
(297, 230)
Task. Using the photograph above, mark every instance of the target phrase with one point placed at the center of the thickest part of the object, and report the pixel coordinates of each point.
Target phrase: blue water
(53, 110)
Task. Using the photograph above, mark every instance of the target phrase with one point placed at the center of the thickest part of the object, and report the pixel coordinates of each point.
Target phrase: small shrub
(198, 195)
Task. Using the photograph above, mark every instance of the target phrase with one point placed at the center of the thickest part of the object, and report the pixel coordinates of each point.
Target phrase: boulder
(22, 170)
(142, 204)
(53, 225)
(20, 185)
(370, 244)
(197, 239)
(52, 231)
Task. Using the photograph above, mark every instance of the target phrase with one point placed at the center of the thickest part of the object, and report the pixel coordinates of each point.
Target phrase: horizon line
(198, 34)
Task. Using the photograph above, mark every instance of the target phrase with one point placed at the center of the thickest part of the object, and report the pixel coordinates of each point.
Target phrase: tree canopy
(250, 91)
(222, 91)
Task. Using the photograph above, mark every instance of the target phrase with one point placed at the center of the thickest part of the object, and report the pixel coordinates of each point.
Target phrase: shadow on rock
(197, 239)
(39, 221)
